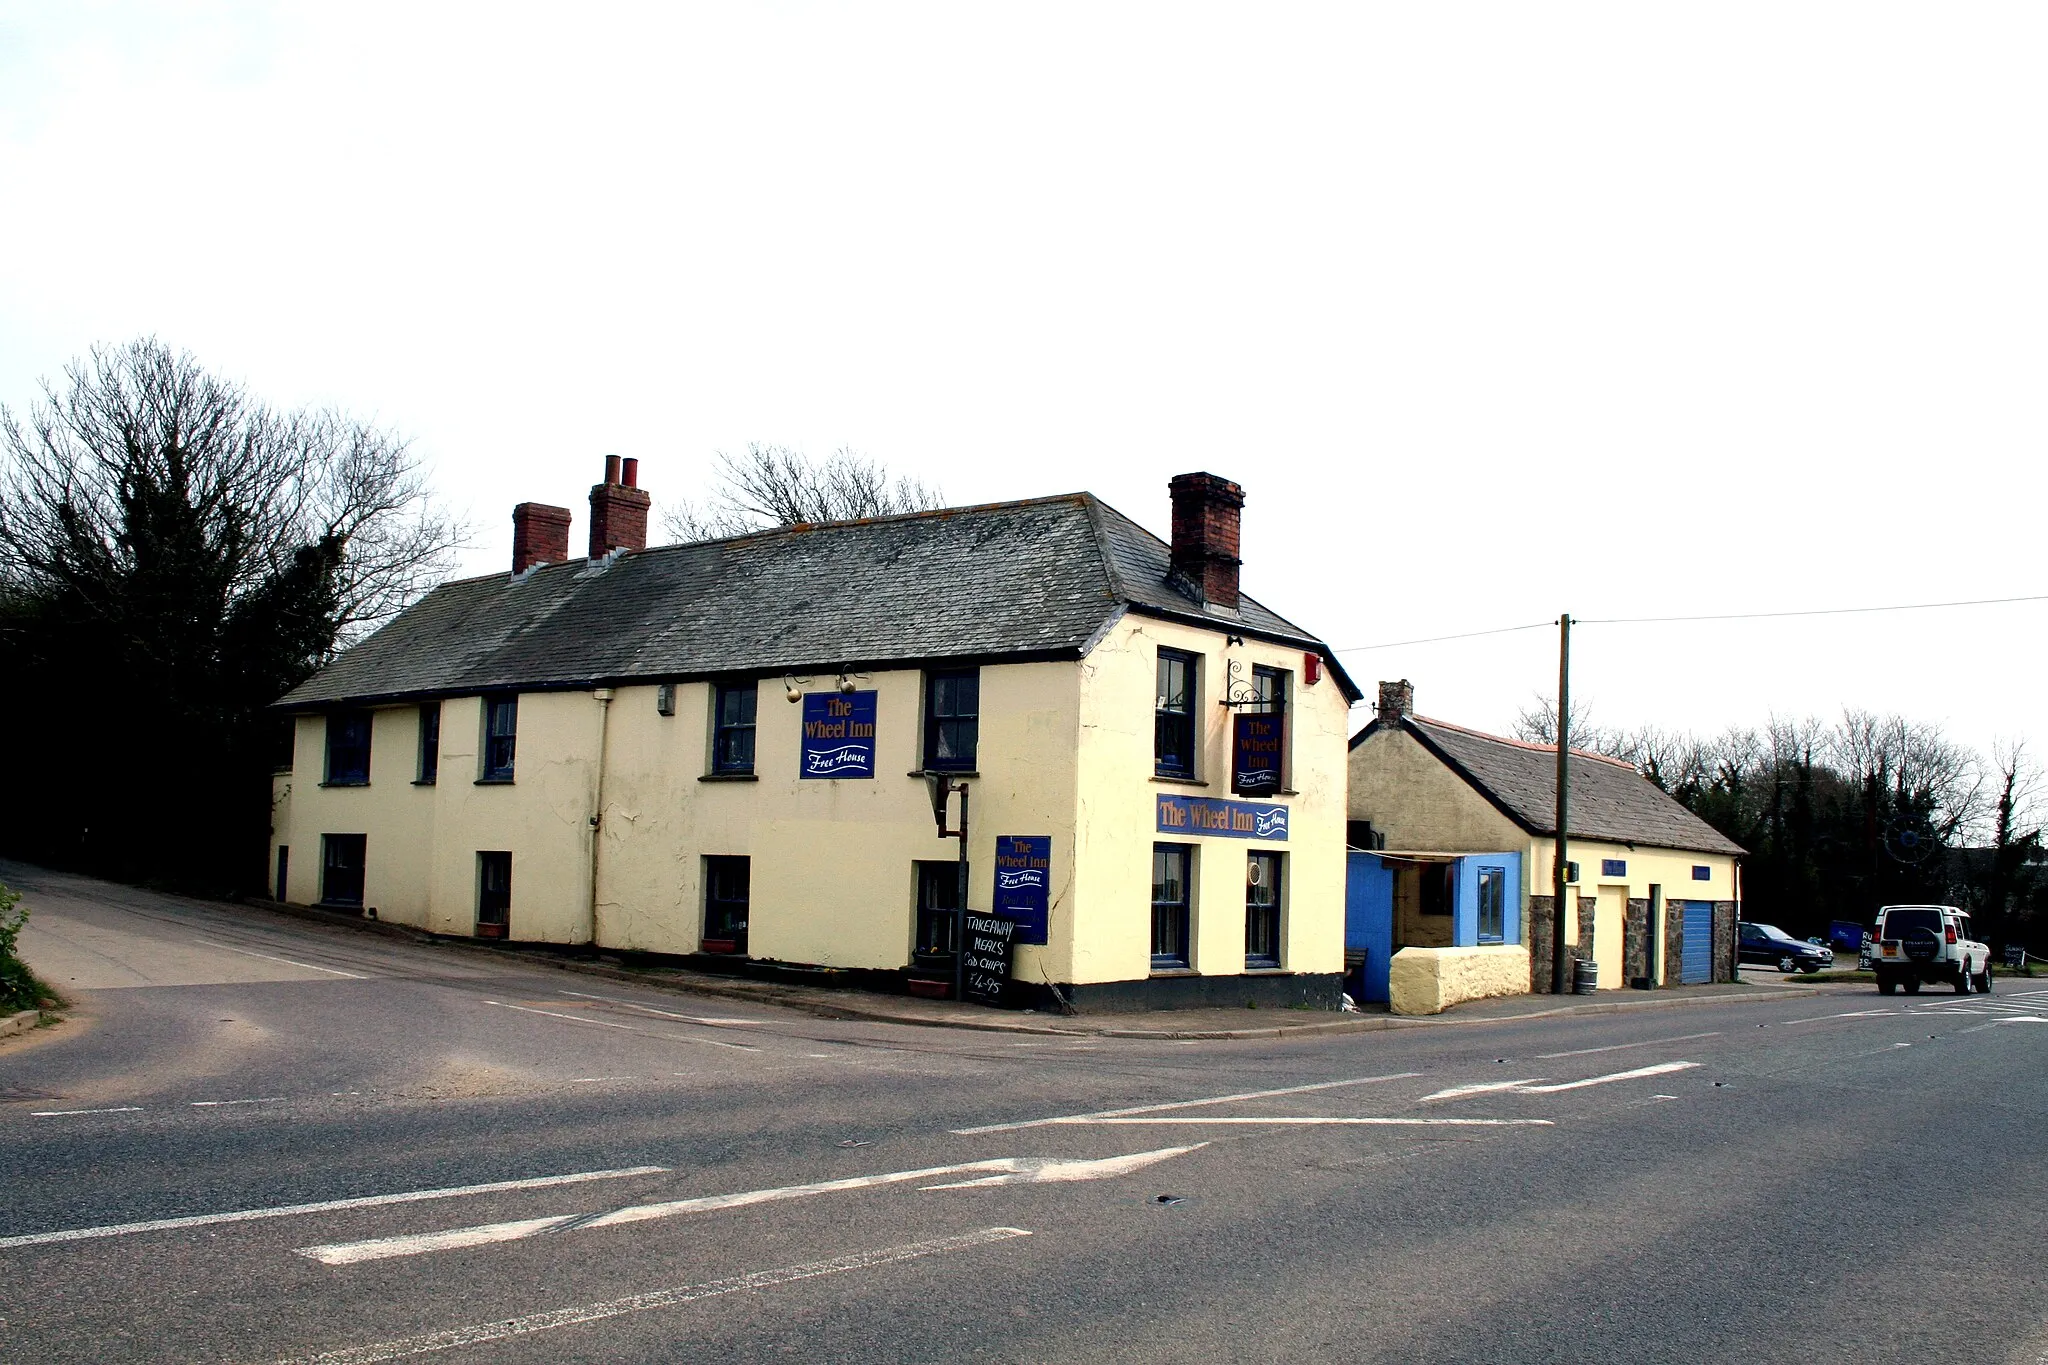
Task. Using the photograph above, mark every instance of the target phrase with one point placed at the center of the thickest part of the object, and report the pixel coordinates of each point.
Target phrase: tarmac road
(714, 1180)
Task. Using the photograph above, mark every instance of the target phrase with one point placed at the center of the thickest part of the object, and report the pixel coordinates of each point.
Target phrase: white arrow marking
(1459, 1092)
(640, 1303)
(1661, 1069)
(1182, 1104)
(1026, 1170)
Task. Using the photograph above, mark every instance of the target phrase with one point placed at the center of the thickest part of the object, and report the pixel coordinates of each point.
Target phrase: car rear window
(1899, 923)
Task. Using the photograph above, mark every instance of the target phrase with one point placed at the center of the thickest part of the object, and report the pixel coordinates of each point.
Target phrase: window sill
(730, 777)
(1174, 971)
(425, 782)
(493, 782)
(364, 783)
(339, 905)
(1179, 781)
(942, 772)
(1269, 971)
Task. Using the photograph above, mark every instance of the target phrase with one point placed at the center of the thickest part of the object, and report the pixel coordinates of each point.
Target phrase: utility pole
(1560, 975)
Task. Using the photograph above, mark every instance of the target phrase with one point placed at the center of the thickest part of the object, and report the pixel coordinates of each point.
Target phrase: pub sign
(839, 734)
(1023, 877)
(1255, 754)
(1233, 819)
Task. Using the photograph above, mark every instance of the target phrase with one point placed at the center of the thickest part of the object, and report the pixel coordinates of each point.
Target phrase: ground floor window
(938, 900)
(727, 886)
(341, 869)
(1171, 865)
(494, 892)
(1262, 910)
(1493, 899)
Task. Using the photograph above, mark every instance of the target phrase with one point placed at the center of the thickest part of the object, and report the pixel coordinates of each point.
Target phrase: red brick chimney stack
(618, 509)
(540, 535)
(1206, 510)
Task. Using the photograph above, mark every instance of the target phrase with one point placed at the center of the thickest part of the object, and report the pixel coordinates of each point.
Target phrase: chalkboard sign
(2015, 955)
(985, 973)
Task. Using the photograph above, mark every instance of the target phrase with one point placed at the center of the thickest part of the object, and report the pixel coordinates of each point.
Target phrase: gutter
(604, 727)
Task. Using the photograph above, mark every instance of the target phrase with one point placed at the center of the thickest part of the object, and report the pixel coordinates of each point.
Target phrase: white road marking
(1459, 1092)
(1016, 1170)
(1661, 1069)
(216, 1104)
(289, 962)
(1852, 1014)
(709, 1020)
(601, 1023)
(1618, 1047)
(1181, 1104)
(72, 1113)
(593, 1080)
(641, 1303)
(324, 1206)
(1344, 1120)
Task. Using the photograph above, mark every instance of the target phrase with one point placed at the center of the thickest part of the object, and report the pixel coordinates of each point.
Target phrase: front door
(936, 933)
(1609, 915)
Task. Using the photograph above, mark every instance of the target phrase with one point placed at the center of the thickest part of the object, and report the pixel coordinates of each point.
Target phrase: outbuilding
(1451, 849)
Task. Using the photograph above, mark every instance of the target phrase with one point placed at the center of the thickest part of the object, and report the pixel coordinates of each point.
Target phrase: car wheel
(1788, 964)
(1912, 984)
(1963, 978)
(1885, 985)
(1810, 968)
(1984, 980)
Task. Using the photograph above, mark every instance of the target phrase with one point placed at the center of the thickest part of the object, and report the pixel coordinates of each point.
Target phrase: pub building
(757, 755)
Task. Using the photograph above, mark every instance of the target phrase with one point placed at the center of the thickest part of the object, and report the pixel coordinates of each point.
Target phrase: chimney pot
(1206, 513)
(618, 511)
(629, 472)
(540, 535)
(1397, 700)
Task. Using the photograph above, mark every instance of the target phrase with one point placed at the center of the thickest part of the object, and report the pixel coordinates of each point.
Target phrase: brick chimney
(618, 509)
(540, 535)
(1397, 699)
(1205, 519)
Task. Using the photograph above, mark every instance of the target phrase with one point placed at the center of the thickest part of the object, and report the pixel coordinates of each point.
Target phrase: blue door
(1696, 959)
(1368, 924)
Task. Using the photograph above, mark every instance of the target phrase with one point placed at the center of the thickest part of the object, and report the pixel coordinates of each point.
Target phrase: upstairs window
(430, 743)
(348, 749)
(501, 730)
(1173, 722)
(732, 727)
(1269, 687)
(952, 719)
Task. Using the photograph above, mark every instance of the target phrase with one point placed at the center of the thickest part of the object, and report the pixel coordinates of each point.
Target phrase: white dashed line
(1619, 1047)
(73, 1113)
(1181, 1104)
(1661, 1069)
(601, 1023)
(216, 1104)
(289, 962)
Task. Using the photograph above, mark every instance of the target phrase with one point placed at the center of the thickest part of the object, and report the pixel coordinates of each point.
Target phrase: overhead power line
(1715, 616)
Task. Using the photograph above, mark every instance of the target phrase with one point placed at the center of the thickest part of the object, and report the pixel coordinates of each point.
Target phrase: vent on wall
(665, 699)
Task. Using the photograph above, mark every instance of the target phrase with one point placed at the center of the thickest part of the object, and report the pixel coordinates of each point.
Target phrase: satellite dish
(1908, 843)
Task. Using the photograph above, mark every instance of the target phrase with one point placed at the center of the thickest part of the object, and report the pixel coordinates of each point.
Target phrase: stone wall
(1542, 934)
(1724, 940)
(1674, 944)
(1635, 944)
(1587, 908)
(1431, 980)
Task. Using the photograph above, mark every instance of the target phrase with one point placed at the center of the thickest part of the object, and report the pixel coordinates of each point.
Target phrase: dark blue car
(1770, 946)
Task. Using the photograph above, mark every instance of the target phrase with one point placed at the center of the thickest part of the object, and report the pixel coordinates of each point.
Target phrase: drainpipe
(604, 719)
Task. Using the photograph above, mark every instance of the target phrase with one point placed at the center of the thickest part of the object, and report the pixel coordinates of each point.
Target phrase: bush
(19, 990)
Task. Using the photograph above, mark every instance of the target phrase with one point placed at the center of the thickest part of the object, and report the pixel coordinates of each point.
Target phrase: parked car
(1929, 945)
(1773, 947)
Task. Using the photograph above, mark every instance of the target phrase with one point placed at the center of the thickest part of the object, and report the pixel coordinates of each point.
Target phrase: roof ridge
(1523, 743)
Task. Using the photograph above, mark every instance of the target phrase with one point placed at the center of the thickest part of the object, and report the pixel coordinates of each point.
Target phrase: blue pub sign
(1255, 754)
(1234, 819)
(1023, 876)
(839, 734)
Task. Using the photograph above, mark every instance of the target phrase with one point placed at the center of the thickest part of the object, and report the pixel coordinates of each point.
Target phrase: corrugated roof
(1041, 578)
(1610, 800)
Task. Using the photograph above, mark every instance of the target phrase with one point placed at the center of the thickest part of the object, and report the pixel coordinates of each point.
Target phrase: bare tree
(775, 486)
(136, 430)
(1536, 723)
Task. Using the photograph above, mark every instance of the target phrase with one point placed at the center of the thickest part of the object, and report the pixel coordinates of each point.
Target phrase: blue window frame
(952, 719)
(1701, 873)
(1263, 872)
(1173, 719)
(348, 749)
(430, 743)
(501, 732)
(1171, 866)
(1614, 867)
(732, 728)
(1493, 899)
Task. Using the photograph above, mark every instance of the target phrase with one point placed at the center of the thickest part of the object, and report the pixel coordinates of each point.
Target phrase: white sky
(1496, 311)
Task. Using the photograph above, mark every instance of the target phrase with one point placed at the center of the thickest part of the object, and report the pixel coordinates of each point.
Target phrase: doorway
(1610, 914)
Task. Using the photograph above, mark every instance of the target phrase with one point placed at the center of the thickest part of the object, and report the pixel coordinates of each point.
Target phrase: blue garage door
(1696, 963)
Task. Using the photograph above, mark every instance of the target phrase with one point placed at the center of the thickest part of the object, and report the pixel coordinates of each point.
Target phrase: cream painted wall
(1420, 805)
(1118, 825)
(1669, 870)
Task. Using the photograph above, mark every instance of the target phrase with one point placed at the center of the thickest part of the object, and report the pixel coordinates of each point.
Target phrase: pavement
(261, 1139)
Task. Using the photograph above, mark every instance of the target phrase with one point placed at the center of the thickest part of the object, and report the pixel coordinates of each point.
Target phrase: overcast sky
(1495, 311)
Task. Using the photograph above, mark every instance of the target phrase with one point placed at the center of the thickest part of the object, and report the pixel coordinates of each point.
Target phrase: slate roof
(1036, 579)
(1610, 800)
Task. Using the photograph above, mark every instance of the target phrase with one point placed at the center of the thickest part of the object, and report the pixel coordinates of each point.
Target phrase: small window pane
(1173, 730)
(1262, 910)
(952, 719)
(501, 731)
(430, 742)
(1170, 906)
(348, 749)
(732, 743)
